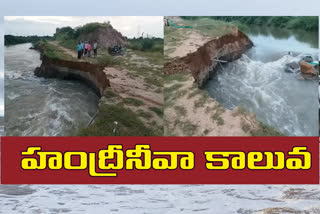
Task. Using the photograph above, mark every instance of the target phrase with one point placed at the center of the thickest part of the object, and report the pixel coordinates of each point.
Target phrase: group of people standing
(84, 48)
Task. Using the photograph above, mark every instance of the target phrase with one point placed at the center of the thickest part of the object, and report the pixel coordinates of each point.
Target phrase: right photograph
(241, 76)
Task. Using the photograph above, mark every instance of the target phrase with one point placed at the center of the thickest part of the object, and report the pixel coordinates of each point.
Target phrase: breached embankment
(228, 48)
(189, 110)
(90, 74)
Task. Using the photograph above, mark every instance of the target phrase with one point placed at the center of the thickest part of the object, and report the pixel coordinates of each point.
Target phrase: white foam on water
(222, 199)
(268, 91)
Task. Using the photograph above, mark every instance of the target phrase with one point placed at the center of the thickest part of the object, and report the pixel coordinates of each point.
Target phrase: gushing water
(42, 107)
(257, 81)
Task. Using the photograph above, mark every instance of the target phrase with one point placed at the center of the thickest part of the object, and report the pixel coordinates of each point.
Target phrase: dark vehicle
(116, 50)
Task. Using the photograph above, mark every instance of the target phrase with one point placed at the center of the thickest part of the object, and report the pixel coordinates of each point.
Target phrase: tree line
(308, 23)
(14, 40)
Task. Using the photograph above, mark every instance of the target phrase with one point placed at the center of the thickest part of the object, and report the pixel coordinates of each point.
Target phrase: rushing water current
(42, 107)
(257, 81)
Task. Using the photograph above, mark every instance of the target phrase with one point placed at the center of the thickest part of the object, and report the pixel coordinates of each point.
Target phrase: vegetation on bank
(117, 120)
(14, 40)
(308, 23)
(146, 44)
(206, 27)
(262, 130)
(66, 33)
(51, 51)
(116, 117)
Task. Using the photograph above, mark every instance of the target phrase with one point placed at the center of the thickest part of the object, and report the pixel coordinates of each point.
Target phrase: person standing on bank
(89, 49)
(95, 46)
(79, 50)
(85, 48)
(83, 45)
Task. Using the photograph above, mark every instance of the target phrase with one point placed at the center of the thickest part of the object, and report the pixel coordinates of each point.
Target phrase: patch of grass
(144, 114)
(90, 27)
(240, 111)
(181, 111)
(104, 58)
(52, 51)
(194, 93)
(174, 37)
(266, 130)
(209, 27)
(69, 43)
(308, 23)
(175, 77)
(109, 93)
(218, 119)
(133, 101)
(153, 57)
(171, 94)
(245, 126)
(129, 123)
(188, 128)
(206, 132)
(158, 82)
(173, 88)
(201, 101)
(156, 110)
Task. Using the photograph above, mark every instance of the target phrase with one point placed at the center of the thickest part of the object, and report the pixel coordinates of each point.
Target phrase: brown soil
(106, 37)
(189, 45)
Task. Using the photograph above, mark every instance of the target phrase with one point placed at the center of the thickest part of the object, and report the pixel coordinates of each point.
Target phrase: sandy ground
(191, 44)
(126, 85)
(189, 111)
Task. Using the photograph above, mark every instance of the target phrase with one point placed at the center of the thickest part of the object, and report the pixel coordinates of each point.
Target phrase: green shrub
(146, 44)
(133, 101)
(128, 122)
(308, 23)
(156, 110)
(89, 28)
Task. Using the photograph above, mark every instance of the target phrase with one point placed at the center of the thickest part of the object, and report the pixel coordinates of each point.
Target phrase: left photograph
(83, 76)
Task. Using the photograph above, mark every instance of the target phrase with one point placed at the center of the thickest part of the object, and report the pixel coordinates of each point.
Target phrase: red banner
(160, 160)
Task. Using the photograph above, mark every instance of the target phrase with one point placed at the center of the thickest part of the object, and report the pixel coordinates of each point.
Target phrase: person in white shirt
(95, 47)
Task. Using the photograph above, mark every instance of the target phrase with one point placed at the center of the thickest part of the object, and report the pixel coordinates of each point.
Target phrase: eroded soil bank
(91, 74)
(201, 62)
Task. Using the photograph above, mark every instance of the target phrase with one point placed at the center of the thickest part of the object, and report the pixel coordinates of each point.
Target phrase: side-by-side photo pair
(161, 76)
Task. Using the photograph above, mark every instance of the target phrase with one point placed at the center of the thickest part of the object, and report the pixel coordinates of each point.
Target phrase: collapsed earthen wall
(91, 74)
(228, 47)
